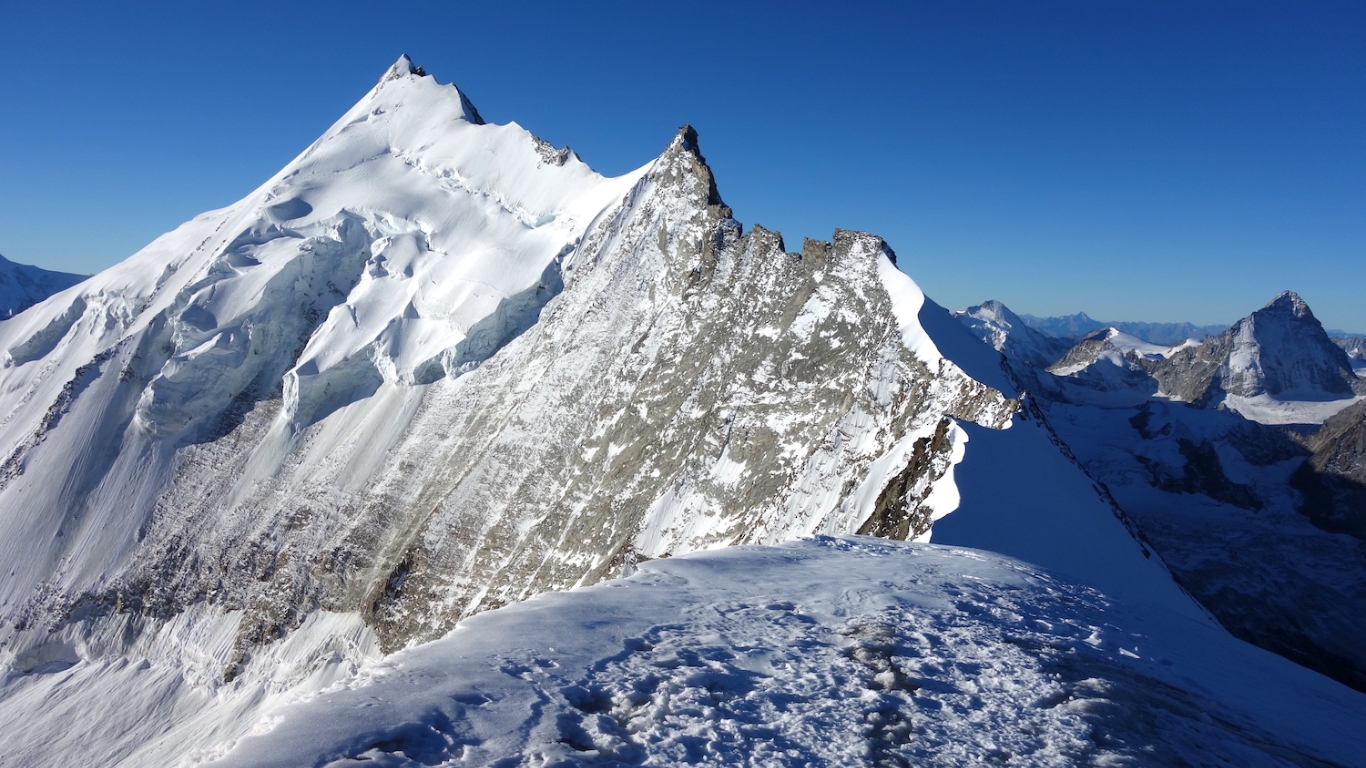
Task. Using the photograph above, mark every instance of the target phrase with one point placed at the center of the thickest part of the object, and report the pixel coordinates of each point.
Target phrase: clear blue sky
(1134, 160)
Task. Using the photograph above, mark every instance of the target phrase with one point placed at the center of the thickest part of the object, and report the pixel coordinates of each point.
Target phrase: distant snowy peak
(22, 286)
(1282, 349)
(1006, 332)
(1355, 347)
(1280, 353)
(1276, 366)
(1128, 343)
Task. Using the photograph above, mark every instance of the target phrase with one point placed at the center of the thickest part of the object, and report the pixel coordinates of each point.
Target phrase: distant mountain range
(22, 286)
(1157, 333)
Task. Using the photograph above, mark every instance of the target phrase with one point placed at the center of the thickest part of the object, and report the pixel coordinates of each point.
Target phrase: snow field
(832, 651)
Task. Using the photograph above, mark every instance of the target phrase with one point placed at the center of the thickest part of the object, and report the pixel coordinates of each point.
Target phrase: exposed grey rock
(1333, 480)
(1280, 350)
(692, 385)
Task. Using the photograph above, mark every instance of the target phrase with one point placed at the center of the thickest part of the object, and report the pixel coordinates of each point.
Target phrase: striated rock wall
(693, 385)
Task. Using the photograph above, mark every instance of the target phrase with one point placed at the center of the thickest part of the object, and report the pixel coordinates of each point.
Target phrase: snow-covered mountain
(1006, 332)
(436, 366)
(22, 286)
(1276, 366)
(1278, 354)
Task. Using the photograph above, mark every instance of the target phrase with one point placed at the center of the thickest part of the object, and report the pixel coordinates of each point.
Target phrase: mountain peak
(404, 66)
(685, 141)
(1289, 302)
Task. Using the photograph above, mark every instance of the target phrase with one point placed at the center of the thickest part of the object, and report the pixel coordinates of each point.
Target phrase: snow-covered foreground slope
(22, 286)
(831, 651)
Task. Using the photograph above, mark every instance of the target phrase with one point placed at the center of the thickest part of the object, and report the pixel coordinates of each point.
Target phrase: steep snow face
(1006, 332)
(22, 286)
(435, 366)
(405, 245)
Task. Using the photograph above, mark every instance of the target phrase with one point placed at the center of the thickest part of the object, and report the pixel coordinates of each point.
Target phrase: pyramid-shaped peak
(403, 67)
(1289, 303)
(994, 309)
(685, 144)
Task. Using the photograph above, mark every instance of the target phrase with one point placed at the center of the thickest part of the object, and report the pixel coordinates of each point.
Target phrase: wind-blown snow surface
(831, 651)
(22, 286)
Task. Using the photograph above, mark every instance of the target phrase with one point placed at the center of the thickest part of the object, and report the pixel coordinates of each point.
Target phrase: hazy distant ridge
(1156, 333)
(22, 286)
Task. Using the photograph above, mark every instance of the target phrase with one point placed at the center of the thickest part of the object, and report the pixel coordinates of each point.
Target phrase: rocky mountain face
(1333, 480)
(1355, 347)
(431, 368)
(22, 286)
(1280, 350)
